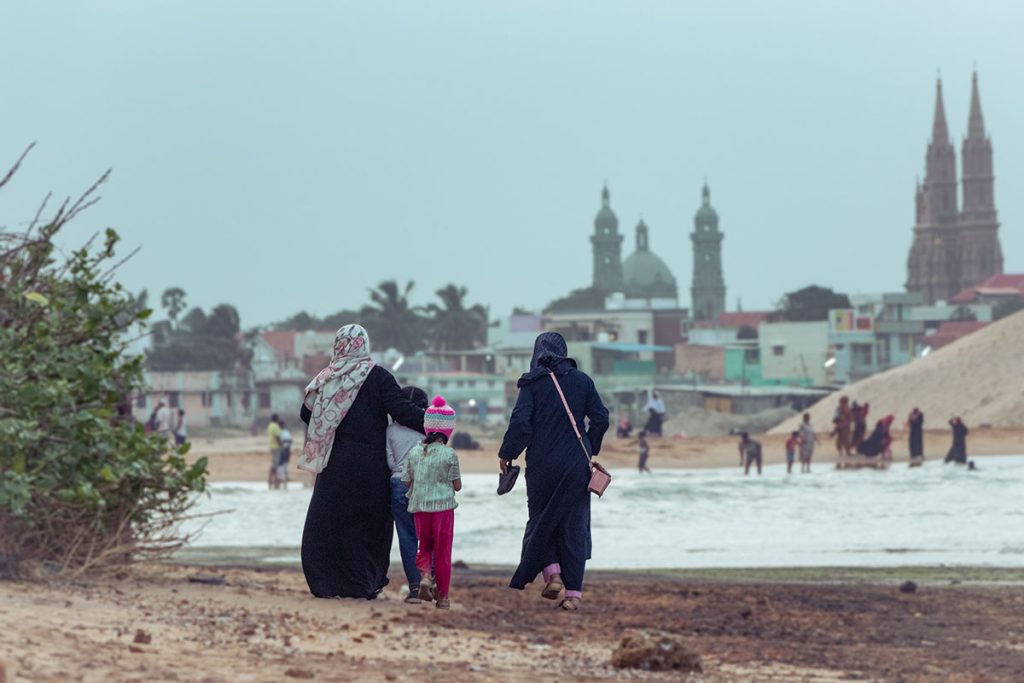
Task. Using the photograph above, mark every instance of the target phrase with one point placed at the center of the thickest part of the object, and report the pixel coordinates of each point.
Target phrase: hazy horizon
(289, 157)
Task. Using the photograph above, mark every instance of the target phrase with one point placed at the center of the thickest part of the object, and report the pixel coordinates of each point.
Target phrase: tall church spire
(976, 122)
(940, 131)
(607, 247)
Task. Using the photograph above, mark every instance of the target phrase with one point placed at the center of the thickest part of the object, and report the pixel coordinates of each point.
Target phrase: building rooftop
(1006, 284)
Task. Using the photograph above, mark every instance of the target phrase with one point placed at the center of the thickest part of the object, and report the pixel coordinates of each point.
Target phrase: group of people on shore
(850, 427)
(168, 423)
(382, 461)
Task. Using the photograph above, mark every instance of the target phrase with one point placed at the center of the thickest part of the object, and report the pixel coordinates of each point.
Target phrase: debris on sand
(209, 579)
(142, 638)
(656, 651)
(908, 587)
(299, 673)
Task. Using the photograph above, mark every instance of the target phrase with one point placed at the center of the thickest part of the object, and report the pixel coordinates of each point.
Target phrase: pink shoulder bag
(599, 477)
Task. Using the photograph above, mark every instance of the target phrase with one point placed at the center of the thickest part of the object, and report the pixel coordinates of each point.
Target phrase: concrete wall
(794, 351)
(706, 362)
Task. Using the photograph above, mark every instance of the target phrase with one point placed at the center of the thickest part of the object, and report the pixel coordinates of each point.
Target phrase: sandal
(570, 604)
(443, 603)
(553, 589)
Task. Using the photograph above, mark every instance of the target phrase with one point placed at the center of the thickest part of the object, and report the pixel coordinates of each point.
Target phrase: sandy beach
(245, 458)
(156, 624)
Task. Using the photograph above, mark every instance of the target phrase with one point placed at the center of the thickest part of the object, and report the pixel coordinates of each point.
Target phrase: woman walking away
(915, 423)
(557, 539)
(346, 542)
(432, 474)
(401, 440)
(958, 451)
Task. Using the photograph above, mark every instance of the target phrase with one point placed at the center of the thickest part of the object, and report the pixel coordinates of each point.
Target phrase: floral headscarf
(331, 393)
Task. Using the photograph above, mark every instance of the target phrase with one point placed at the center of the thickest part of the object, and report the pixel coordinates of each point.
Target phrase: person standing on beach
(180, 429)
(958, 451)
(431, 471)
(644, 450)
(557, 540)
(915, 424)
(843, 421)
(274, 441)
(751, 451)
(284, 455)
(346, 540)
(792, 443)
(401, 440)
(859, 415)
(656, 410)
(807, 441)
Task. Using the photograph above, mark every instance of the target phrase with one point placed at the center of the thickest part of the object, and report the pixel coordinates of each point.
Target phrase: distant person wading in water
(807, 441)
(915, 423)
(958, 451)
(643, 451)
(750, 451)
(346, 542)
(557, 540)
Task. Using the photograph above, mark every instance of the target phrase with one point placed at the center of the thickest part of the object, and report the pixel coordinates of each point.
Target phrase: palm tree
(173, 300)
(452, 325)
(392, 321)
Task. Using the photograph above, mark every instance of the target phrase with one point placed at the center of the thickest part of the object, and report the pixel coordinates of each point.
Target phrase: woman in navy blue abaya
(557, 541)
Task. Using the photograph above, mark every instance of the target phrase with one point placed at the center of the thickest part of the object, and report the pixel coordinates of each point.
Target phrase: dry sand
(977, 377)
(246, 458)
(155, 625)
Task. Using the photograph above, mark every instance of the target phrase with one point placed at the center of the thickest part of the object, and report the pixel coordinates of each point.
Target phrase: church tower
(708, 290)
(934, 264)
(607, 246)
(980, 253)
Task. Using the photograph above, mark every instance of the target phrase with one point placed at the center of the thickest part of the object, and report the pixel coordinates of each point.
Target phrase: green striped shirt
(429, 471)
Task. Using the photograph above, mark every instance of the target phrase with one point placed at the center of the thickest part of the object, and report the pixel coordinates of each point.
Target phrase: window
(904, 342)
(265, 400)
(641, 336)
(861, 354)
(246, 400)
(883, 349)
(778, 350)
(140, 401)
(227, 399)
(752, 356)
(207, 398)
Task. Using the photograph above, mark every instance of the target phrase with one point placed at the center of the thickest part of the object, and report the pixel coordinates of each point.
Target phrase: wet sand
(153, 624)
(248, 458)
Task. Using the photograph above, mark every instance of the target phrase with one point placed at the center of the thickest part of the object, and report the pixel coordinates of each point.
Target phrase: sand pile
(977, 377)
(694, 421)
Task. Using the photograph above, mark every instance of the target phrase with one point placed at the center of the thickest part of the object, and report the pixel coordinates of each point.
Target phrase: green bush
(82, 486)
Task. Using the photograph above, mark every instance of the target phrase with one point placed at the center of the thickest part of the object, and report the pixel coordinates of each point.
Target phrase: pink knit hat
(440, 417)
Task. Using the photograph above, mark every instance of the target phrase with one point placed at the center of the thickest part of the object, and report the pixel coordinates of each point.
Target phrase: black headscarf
(549, 354)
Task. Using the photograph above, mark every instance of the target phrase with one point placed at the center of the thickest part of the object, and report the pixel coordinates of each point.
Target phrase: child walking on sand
(432, 474)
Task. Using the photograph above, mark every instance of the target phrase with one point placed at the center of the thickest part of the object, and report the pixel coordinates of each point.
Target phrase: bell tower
(607, 246)
(708, 290)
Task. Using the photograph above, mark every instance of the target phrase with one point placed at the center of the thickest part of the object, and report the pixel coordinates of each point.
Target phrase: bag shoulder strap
(572, 419)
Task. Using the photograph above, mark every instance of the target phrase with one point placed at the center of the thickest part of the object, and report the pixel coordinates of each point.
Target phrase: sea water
(931, 515)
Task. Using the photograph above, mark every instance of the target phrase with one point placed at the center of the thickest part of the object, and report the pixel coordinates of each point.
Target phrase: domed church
(642, 275)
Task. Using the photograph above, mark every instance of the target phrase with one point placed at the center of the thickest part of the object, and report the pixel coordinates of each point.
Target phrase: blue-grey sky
(286, 156)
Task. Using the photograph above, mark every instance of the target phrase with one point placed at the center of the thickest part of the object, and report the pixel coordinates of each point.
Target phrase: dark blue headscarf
(549, 353)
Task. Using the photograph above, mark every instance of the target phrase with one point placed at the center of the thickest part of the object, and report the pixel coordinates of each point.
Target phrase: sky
(288, 156)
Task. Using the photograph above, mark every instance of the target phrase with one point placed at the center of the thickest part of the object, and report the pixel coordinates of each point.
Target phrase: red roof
(998, 285)
(745, 318)
(951, 330)
(283, 343)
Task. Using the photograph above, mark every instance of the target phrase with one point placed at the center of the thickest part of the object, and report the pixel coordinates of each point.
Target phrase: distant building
(607, 247)
(708, 289)
(210, 398)
(955, 249)
(794, 352)
(994, 290)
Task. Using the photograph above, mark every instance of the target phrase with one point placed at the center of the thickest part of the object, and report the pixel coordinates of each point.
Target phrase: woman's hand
(503, 465)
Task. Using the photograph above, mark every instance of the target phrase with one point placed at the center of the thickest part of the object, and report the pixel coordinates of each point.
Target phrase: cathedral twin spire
(955, 249)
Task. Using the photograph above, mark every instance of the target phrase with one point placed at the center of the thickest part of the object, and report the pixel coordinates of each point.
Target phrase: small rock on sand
(142, 637)
(299, 673)
(656, 651)
(908, 587)
(209, 579)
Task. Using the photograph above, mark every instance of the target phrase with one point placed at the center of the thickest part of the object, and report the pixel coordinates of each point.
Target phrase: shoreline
(247, 458)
